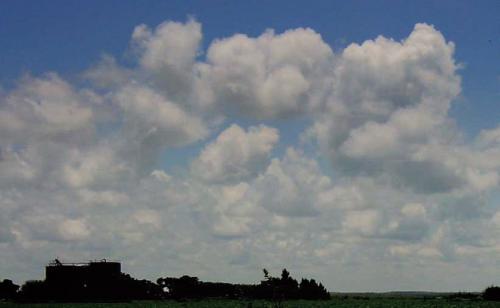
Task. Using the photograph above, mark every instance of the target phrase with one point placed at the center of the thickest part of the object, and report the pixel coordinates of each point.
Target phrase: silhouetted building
(95, 280)
(81, 274)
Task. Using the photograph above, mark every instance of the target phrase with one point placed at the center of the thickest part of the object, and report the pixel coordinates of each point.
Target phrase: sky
(356, 142)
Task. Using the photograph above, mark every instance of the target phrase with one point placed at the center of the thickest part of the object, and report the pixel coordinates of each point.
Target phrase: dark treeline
(271, 288)
(492, 293)
(123, 287)
(8, 290)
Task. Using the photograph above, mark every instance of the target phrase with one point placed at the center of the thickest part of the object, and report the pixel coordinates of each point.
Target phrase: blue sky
(352, 141)
(69, 36)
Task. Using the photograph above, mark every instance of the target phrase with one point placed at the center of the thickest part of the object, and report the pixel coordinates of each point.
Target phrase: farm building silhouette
(102, 281)
(95, 279)
(81, 274)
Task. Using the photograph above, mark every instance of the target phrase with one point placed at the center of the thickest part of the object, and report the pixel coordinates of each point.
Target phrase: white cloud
(148, 217)
(365, 222)
(73, 229)
(151, 123)
(14, 168)
(388, 112)
(45, 108)
(236, 154)
(272, 75)
(290, 186)
(81, 168)
(97, 167)
(413, 210)
(108, 73)
(150, 116)
(379, 77)
(172, 44)
(496, 219)
(382, 75)
(411, 225)
(168, 54)
(105, 197)
(488, 137)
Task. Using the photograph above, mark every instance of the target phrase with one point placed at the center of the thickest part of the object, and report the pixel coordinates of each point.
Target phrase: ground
(340, 303)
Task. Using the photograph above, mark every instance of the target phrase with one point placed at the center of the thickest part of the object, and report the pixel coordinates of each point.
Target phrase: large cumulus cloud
(388, 115)
(272, 75)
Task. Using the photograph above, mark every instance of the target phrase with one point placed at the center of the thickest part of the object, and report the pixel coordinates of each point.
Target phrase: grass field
(341, 303)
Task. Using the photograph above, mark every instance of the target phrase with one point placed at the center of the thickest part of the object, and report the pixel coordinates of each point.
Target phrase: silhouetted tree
(8, 289)
(180, 288)
(286, 287)
(310, 289)
(34, 290)
(138, 289)
(492, 293)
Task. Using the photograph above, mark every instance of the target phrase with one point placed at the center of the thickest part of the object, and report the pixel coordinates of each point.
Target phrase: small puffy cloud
(411, 225)
(496, 219)
(343, 196)
(462, 166)
(289, 187)
(234, 214)
(6, 234)
(364, 222)
(171, 44)
(236, 154)
(462, 207)
(231, 227)
(96, 167)
(73, 229)
(489, 137)
(391, 139)
(45, 108)
(148, 217)
(15, 169)
(168, 53)
(103, 197)
(413, 210)
(426, 177)
(108, 73)
(150, 117)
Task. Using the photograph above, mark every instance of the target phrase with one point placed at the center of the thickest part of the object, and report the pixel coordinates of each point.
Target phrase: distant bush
(8, 289)
(463, 296)
(492, 293)
(286, 287)
(34, 290)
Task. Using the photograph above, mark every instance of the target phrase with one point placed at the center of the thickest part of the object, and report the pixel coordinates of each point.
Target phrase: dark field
(341, 303)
